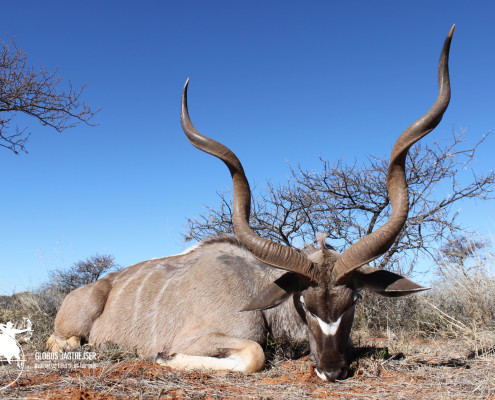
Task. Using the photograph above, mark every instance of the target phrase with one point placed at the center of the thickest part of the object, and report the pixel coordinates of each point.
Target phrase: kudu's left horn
(378, 242)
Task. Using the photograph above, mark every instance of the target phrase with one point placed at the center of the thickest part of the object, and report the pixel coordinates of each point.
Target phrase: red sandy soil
(436, 373)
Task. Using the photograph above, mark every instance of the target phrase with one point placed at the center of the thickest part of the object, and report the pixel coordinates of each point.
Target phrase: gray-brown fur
(145, 307)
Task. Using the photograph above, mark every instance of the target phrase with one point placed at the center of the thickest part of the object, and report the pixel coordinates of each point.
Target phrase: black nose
(331, 374)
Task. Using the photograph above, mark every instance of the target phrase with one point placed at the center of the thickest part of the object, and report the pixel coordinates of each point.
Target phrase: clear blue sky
(280, 82)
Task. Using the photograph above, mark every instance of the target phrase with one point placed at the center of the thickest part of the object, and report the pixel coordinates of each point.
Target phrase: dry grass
(461, 301)
(395, 367)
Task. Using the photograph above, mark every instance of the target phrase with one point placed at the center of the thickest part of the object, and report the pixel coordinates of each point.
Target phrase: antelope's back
(162, 305)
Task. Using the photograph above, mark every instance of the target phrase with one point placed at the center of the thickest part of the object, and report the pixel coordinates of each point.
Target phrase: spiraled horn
(269, 252)
(378, 242)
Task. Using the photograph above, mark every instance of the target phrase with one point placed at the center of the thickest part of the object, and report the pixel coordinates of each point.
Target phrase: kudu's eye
(308, 311)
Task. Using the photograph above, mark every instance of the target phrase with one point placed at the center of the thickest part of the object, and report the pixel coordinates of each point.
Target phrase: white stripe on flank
(137, 304)
(155, 310)
(329, 328)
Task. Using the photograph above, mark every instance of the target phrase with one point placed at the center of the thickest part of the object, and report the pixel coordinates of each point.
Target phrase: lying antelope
(213, 306)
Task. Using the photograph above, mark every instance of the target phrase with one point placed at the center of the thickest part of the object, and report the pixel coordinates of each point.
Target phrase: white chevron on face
(329, 328)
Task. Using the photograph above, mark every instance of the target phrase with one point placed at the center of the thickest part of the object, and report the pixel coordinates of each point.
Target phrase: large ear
(384, 282)
(277, 292)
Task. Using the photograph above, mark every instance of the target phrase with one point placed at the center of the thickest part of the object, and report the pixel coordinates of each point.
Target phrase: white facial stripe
(321, 376)
(329, 328)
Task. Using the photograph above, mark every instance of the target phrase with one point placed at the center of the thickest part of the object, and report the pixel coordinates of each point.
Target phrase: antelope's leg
(57, 344)
(218, 352)
(76, 315)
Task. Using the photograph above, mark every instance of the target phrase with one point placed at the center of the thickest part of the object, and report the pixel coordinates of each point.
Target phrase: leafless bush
(50, 297)
(383, 314)
(83, 272)
(461, 301)
(347, 202)
(62, 281)
(465, 287)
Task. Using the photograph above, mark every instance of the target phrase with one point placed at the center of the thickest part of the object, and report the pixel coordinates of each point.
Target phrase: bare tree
(348, 202)
(62, 281)
(82, 272)
(37, 93)
(461, 249)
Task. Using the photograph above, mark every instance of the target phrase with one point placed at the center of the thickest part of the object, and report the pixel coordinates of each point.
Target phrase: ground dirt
(383, 367)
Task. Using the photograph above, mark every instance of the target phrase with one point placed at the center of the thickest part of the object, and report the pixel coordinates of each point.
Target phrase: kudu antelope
(213, 306)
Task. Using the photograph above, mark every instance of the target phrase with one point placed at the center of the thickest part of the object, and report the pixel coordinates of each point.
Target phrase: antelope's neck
(285, 323)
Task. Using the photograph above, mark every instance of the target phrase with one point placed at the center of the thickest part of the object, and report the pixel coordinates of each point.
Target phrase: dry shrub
(113, 353)
(466, 289)
(50, 297)
(378, 313)
(461, 301)
(279, 350)
(24, 306)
